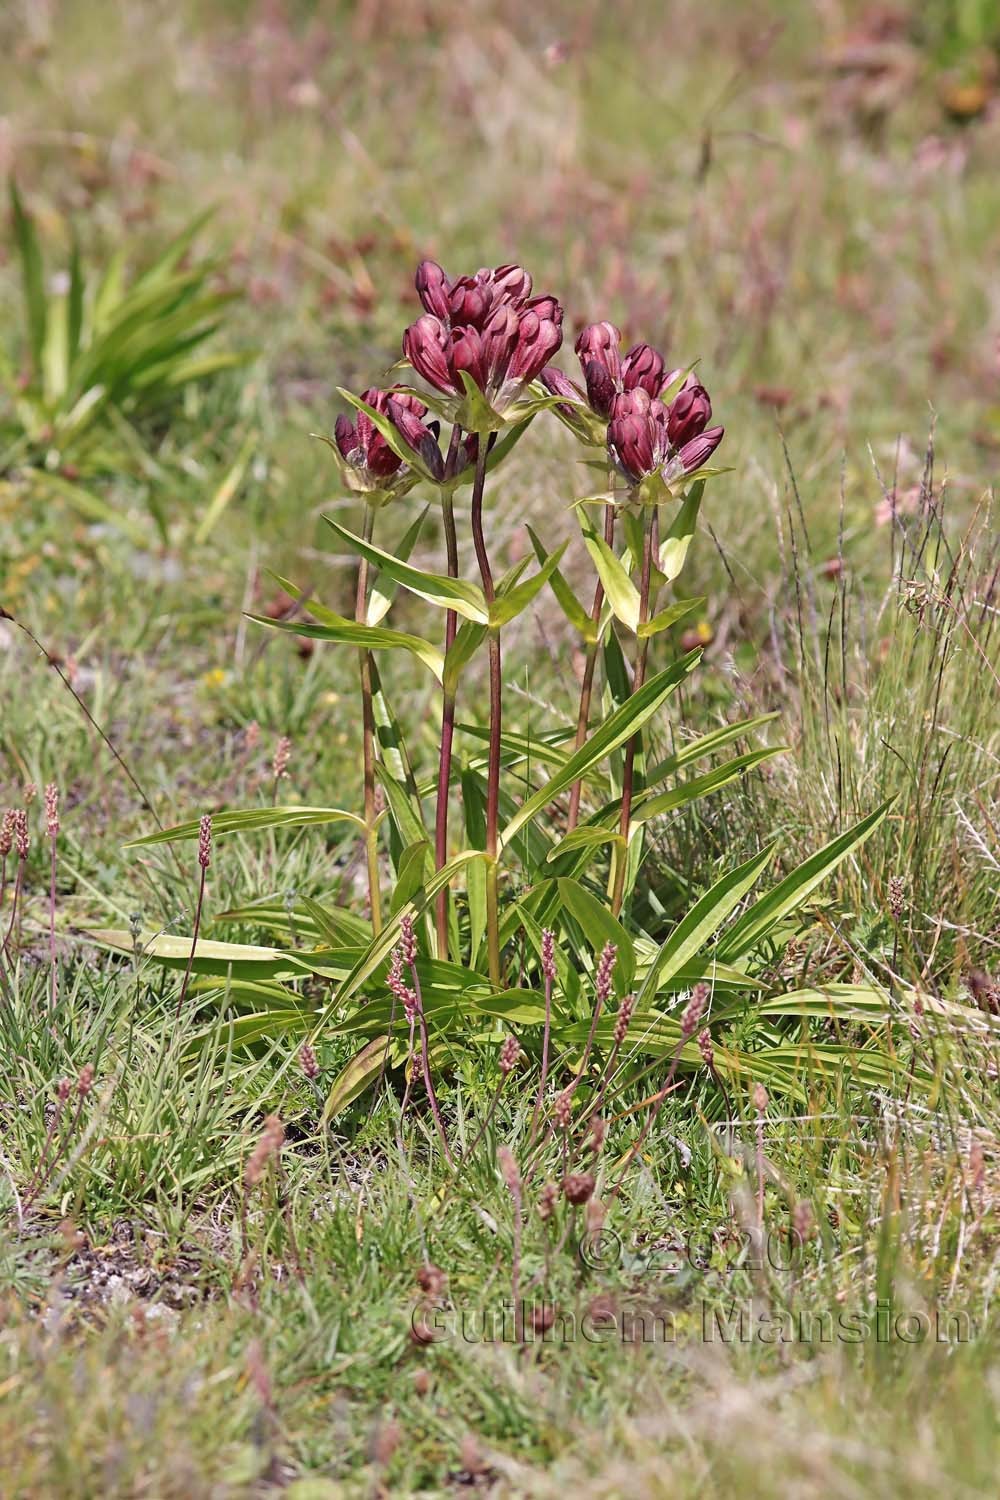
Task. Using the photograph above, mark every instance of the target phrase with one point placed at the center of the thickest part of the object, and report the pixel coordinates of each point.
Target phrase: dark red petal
(700, 449)
(642, 368)
(432, 287)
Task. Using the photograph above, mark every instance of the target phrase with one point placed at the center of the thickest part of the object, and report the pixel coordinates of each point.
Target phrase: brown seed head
(509, 1054)
(623, 1018)
(549, 954)
(896, 897)
(705, 1048)
(7, 832)
(509, 1169)
(85, 1082)
(21, 841)
(307, 1061)
(579, 1187)
(759, 1097)
(547, 1200)
(605, 970)
(562, 1110)
(282, 755)
(694, 1010)
(52, 810)
(205, 841)
(265, 1151)
(29, 792)
(431, 1279)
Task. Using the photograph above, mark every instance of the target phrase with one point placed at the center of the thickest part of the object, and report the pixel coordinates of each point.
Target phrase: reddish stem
(587, 685)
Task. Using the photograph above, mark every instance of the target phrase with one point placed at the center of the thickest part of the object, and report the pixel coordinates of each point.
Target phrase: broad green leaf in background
(349, 633)
(456, 594)
(615, 730)
(796, 887)
(674, 547)
(703, 921)
(248, 820)
(622, 594)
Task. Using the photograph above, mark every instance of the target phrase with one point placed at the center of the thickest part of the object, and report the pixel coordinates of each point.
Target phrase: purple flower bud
(432, 288)
(689, 413)
(537, 340)
(347, 438)
(467, 354)
(558, 384)
(643, 367)
(469, 302)
(427, 346)
(510, 283)
(600, 342)
(601, 387)
(499, 340)
(403, 416)
(631, 434)
(700, 449)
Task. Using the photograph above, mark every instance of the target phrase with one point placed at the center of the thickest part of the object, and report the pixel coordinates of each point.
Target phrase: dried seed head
(29, 792)
(694, 1010)
(251, 736)
(549, 954)
(421, 1381)
(605, 969)
(52, 810)
(803, 1221)
(542, 1316)
(623, 1018)
(547, 1200)
(562, 1110)
(509, 1169)
(431, 1279)
(265, 1151)
(579, 1187)
(984, 990)
(307, 1061)
(705, 1048)
(598, 1131)
(282, 755)
(21, 842)
(594, 1215)
(205, 841)
(509, 1054)
(7, 832)
(63, 1090)
(407, 940)
(85, 1082)
(406, 996)
(896, 897)
(759, 1097)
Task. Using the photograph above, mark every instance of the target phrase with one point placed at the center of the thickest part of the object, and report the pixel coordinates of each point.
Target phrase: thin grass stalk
(548, 965)
(651, 539)
(52, 925)
(194, 944)
(368, 736)
(589, 669)
(18, 882)
(496, 721)
(447, 728)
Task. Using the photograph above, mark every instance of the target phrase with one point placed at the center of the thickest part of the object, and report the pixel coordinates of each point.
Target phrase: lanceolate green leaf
(615, 730)
(668, 617)
(383, 590)
(674, 547)
(249, 820)
(447, 593)
(600, 927)
(702, 922)
(796, 887)
(510, 603)
(706, 744)
(355, 1076)
(349, 633)
(623, 596)
(567, 600)
(242, 960)
(703, 786)
(32, 275)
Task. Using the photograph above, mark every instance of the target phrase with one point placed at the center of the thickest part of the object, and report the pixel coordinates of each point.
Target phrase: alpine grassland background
(667, 1170)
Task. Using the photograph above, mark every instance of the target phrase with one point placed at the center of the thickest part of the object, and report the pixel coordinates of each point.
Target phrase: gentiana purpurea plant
(573, 844)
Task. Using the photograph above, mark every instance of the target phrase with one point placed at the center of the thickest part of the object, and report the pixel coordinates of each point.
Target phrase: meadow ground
(791, 1298)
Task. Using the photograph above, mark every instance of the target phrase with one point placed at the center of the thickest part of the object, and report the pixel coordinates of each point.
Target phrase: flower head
(606, 374)
(485, 327)
(369, 463)
(647, 437)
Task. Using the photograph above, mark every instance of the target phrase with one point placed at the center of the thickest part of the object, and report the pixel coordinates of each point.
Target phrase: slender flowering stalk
(279, 765)
(22, 846)
(651, 544)
(759, 1098)
(690, 1021)
(510, 1056)
(496, 721)
(6, 845)
(204, 860)
(622, 1022)
(52, 830)
(549, 976)
(602, 993)
(406, 955)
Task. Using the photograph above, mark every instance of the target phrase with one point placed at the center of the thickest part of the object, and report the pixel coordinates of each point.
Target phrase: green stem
(447, 730)
(587, 685)
(651, 539)
(368, 737)
(496, 712)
